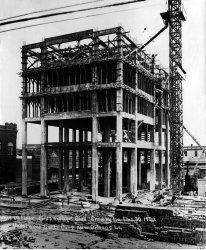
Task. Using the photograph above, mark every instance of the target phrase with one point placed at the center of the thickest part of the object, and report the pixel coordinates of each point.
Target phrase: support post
(167, 156)
(43, 78)
(66, 162)
(85, 166)
(119, 174)
(152, 170)
(160, 169)
(133, 171)
(119, 108)
(81, 161)
(128, 169)
(161, 123)
(43, 160)
(60, 159)
(85, 158)
(24, 127)
(44, 128)
(139, 168)
(94, 159)
(119, 97)
(74, 160)
(24, 159)
(119, 159)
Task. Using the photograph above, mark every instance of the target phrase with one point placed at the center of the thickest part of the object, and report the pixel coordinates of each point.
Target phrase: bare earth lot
(21, 232)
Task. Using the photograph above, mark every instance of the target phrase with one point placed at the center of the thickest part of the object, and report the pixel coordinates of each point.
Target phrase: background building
(8, 135)
(192, 156)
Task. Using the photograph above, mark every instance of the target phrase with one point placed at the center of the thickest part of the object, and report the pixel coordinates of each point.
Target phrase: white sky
(143, 15)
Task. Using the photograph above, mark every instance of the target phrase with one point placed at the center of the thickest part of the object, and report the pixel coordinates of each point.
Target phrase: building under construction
(110, 101)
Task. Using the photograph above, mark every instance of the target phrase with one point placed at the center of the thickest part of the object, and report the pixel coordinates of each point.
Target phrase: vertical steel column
(94, 159)
(133, 171)
(95, 167)
(85, 158)
(44, 127)
(160, 169)
(81, 161)
(167, 152)
(119, 160)
(24, 158)
(152, 170)
(74, 159)
(66, 161)
(139, 167)
(24, 127)
(119, 108)
(60, 172)
(43, 160)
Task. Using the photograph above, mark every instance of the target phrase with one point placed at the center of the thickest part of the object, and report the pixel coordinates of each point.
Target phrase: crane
(175, 86)
(173, 18)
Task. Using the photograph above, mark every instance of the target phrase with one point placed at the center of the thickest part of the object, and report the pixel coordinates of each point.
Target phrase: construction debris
(16, 239)
(143, 220)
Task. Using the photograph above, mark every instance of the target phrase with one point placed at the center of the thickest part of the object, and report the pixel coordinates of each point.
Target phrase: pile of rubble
(162, 224)
(145, 197)
(153, 216)
(16, 238)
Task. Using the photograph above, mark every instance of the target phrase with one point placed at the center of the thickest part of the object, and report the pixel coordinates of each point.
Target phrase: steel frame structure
(96, 87)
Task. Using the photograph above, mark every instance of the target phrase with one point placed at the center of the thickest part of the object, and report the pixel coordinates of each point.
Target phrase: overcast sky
(142, 20)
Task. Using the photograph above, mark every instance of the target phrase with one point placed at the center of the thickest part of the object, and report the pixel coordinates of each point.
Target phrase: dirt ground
(18, 230)
(78, 239)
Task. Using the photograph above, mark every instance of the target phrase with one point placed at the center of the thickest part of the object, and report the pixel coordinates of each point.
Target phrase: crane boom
(203, 149)
(194, 139)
